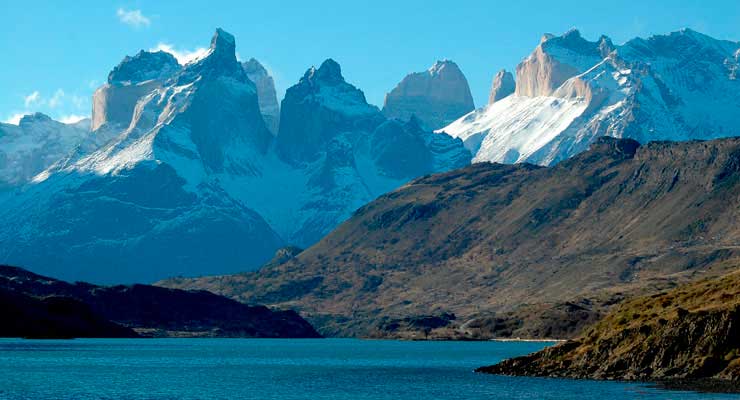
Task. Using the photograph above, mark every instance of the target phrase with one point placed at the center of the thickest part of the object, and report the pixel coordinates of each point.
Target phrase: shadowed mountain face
(183, 175)
(53, 317)
(151, 311)
(482, 241)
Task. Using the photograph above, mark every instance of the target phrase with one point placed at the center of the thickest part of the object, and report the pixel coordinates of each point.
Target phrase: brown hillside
(487, 241)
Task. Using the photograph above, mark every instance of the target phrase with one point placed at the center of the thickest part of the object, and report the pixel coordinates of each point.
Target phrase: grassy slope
(689, 332)
(488, 239)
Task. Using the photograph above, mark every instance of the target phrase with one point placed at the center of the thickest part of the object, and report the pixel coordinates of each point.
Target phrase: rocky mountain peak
(329, 72)
(34, 118)
(144, 66)
(436, 96)
(223, 41)
(502, 86)
(220, 60)
(266, 94)
(555, 60)
(253, 66)
(444, 66)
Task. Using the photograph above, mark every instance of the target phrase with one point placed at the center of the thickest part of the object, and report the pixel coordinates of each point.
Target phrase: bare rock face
(266, 95)
(436, 97)
(502, 86)
(129, 81)
(546, 69)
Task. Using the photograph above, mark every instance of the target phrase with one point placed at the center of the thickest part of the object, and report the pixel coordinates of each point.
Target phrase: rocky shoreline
(687, 338)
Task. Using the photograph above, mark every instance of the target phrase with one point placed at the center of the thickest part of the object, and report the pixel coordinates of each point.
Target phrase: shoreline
(528, 340)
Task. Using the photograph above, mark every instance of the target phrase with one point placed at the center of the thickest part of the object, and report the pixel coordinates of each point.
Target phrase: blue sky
(55, 53)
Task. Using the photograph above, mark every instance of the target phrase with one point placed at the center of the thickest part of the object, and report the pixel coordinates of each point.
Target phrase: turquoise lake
(284, 369)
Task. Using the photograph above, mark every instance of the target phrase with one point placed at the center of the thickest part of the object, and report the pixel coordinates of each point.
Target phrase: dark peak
(35, 117)
(572, 33)
(252, 66)
(606, 46)
(330, 72)
(572, 40)
(223, 40)
(143, 66)
(220, 60)
(614, 146)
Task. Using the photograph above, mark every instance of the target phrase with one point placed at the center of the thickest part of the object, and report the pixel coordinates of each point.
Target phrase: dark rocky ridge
(53, 317)
(689, 333)
(493, 241)
(151, 310)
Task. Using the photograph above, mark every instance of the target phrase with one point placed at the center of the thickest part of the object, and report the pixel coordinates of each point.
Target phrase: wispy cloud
(72, 118)
(14, 118)
(133, 18)
(182, 56)
(32, 99)
(56, 99)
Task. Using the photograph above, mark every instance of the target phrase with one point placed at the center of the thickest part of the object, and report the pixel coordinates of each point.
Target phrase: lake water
(284, 369)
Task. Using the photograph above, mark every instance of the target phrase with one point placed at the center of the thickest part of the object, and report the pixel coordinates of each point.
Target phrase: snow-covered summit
(570, 91)
(181, 175)
(33, 145)
(144, 66)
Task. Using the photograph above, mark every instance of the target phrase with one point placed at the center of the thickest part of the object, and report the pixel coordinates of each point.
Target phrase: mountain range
(182, 174)
(495, 250)
(570, 91)
(189, 170)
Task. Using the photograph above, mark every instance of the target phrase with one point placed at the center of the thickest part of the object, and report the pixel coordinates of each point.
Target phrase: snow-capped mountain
(195, 183)
(436, 96)
(570, 91)
(33, 145)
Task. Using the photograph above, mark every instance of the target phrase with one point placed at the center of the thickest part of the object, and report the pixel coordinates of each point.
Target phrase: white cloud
(56, 100)
(15, 118)
(133, 18)
(31, 99)
(182, 56)
(78, 101)
(71, 119)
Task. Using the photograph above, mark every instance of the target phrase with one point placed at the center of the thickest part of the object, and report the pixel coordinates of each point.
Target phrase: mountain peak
(144, 66)
(330, 72)
(442, 65)
(572, 33)
(436, 96)
(502, 86)
(253, 66)
(222, 39)
(35, 117)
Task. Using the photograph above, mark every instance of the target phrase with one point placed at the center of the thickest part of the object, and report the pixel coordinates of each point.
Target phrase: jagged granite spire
(317, 109)
(436, 96)
(266, 94)
(129, 81)
(502, 86)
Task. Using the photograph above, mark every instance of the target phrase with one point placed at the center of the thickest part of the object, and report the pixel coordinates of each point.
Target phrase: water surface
(284, 369)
